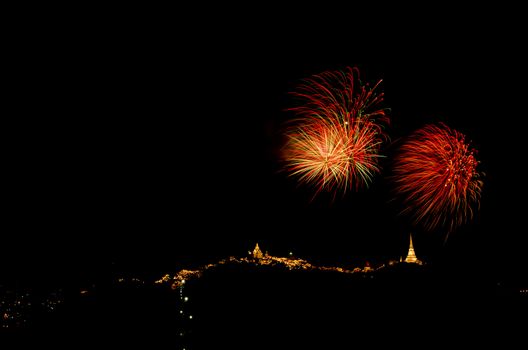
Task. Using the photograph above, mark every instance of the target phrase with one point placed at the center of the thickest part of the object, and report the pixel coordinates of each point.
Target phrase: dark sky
(157, 146)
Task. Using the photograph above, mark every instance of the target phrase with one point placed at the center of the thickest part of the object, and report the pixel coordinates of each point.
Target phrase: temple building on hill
(257, 253)
(411, 255)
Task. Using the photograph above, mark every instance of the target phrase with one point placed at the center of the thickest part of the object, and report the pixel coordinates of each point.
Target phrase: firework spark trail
(334, 142)
(436, 174)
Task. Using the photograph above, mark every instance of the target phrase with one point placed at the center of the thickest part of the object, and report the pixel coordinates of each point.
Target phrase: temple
(411, 256)
(257, 253)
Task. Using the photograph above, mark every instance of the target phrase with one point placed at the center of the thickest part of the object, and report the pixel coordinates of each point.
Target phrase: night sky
(152, 148)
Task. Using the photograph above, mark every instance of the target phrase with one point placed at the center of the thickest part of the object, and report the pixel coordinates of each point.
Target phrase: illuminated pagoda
(257, 253)
(411, 256)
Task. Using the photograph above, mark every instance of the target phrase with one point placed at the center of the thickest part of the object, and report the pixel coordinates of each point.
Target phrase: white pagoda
(411, 256)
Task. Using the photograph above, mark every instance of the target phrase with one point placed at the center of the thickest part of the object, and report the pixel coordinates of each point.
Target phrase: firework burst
(334, 142)
(436, 174)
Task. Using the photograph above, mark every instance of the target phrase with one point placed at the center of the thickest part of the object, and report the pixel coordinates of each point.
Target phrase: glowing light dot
(186, 299)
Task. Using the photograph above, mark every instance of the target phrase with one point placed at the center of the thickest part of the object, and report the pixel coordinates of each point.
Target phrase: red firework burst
(334, 143)
(436, 174)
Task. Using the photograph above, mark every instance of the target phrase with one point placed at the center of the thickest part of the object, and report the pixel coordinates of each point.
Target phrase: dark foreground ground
(245, 307)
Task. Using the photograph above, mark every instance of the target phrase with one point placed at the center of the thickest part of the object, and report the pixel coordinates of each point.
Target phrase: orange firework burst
(436, 174)
(334, 143)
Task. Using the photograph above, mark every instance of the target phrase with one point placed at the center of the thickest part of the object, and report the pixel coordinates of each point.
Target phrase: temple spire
(411, 256)
(257, 253)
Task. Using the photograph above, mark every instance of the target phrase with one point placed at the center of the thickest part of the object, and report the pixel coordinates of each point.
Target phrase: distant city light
(190, 317)
(181, 311)
(186, 299)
